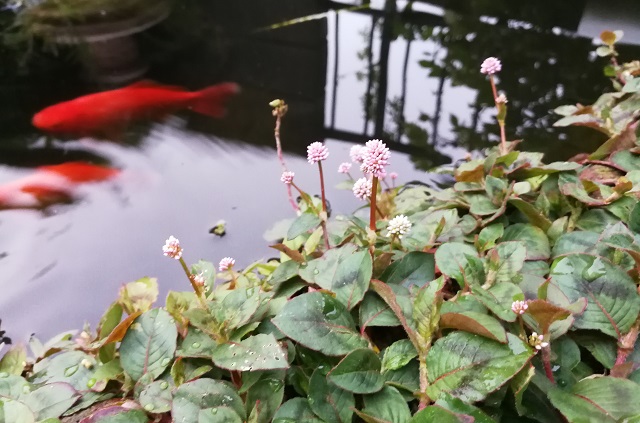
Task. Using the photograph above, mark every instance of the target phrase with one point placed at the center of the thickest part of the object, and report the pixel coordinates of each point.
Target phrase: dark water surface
(182, 175)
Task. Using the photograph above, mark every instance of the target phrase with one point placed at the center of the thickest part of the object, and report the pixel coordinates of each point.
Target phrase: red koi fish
(108, 113)
(51, 184)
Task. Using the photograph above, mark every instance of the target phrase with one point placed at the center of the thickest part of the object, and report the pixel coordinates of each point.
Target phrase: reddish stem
(503, 138)
(626, 343)
(196, 288)
(276, 133)
(324, 209)
(373, 207)
(546, 360)
(493, 87)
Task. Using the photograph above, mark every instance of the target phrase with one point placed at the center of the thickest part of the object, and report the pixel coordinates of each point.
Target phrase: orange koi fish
(51, 184)
(108, 113)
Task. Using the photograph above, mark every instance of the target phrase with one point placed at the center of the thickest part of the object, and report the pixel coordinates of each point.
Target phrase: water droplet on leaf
(70, 371)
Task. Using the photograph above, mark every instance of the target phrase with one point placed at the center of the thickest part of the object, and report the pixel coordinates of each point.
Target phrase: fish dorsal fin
(147, 83)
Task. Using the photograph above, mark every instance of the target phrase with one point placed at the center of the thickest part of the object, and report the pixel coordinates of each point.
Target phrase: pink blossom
(344, 167)
(356, 153)
(316, 152)
(393, 175)
(519, 307)
(537, 341)
(226, 264)
(375, 158)
(490, 66)
(362, 188)
(172, 248)
(287, 177)
(199, 279)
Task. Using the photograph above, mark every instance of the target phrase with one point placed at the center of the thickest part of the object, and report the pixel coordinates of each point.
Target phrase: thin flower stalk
(373, 207)
(279, 110)
(325, 233)
(490, 66)
(317, 153)
(196, 288)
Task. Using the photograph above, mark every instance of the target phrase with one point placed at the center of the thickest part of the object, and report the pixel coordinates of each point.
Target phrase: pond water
(62, 267)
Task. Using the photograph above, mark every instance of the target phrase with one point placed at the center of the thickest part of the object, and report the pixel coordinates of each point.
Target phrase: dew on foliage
(26, 389)
(195, 345)
(91, 383)
(214, 411)
(233, 364)
(148, 407)
(70, 371)
(164, 385)
(316, 271)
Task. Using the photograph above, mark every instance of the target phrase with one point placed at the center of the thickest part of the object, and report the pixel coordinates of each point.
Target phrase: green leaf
(237, 308)
(456, 405)
(511, 256)
(373, 311)
(51, 400)
(302, 224)
(478, 323)
(426, 311)
(139, 295)
(613, 303)
(406, 378)
(470, 367)
(451, 259)
(109, 321)
(259, 352)
(414, 268)
(14, 360)
(632, 86)
(489, 235)
(218, 415)
(156, 397)
(599, 399)
(285, 271)
(434, 413)
(12, 411)
(124, 416)
(603, 349)
(398, 355)
(499, 298)
(201, 394)
(149, 345)
(196, 345)
(358, 372)
(387, 406)
(296, 410)
(331, 403)
(344, 271)
(320, 322)
(534, 239)
(266, 395)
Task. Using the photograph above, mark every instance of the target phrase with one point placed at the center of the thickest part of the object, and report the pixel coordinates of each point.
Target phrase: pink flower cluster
(362, 188)
(375, 157)
(172, 248)
(226, 264)
(316, 152)
(344, 167)
(287, 177)
(490, 66)
(519, 307)
(356, 153)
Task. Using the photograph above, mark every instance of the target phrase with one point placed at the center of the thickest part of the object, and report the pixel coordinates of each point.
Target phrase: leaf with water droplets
(259, 352)
(156, 397)
(149, 345)
(15, 412)
(470, 366)
(344, 271)
(386, 406)
(320, 322)
(218, 415)
(202, 394)
(14, 360)
(266, 396)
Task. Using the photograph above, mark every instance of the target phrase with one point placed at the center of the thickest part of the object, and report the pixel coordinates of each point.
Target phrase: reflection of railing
(376, 91)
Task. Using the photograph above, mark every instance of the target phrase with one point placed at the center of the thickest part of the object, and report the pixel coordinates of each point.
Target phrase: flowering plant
(510, 296)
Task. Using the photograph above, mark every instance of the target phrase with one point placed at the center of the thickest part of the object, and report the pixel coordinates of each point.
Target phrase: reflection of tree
(542, 68)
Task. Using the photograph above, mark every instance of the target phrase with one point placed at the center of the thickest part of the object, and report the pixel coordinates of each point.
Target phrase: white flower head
(519, 307)
(172, 248)
(399, 226)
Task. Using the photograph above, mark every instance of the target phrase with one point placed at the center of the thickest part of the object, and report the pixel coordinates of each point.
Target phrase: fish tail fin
(80, 172)
(212, 100)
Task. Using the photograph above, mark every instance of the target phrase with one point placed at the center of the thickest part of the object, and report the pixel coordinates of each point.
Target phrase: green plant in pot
(510, 296)
(103, 28)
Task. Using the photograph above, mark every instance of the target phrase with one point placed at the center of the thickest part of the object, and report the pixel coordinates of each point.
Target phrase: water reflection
(403, 71)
